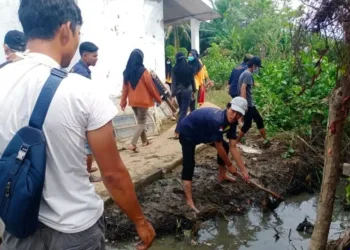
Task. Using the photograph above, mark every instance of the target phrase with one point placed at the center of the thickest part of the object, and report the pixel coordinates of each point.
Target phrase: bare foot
(191, 205)
(226, 178)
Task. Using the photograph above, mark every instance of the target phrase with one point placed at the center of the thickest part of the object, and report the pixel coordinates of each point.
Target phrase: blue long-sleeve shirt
(81, 69)
(233, 82)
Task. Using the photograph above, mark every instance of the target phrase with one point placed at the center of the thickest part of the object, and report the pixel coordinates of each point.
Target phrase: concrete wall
(9, 21)
(117, 27)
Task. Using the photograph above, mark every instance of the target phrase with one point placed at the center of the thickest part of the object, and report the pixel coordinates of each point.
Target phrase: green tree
(178, 35)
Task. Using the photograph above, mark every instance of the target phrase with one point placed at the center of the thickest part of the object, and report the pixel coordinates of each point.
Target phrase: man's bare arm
(115, 175)
(244, 91)
(237, 155)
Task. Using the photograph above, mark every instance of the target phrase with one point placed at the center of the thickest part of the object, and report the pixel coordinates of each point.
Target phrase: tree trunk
(338, 111)
(176, 38)
(330, 174)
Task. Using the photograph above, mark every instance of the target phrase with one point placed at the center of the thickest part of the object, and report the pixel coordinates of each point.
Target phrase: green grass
(218, 97)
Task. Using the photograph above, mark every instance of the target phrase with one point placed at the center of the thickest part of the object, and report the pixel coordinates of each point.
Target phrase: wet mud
(164, 203)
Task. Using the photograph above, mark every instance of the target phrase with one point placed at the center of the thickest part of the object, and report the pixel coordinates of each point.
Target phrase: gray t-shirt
(247, 78)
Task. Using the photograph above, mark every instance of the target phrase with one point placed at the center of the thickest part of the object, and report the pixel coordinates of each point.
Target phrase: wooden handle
(277, 196)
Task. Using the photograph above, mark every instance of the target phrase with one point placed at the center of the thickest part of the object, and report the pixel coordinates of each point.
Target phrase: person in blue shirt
(89, 57)
(208, 125)
(236, 73)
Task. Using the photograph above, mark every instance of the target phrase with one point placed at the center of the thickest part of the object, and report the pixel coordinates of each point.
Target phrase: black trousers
(252, 114)
(188, 155)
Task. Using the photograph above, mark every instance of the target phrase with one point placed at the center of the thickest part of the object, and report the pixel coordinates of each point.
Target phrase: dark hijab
(182, 70)
(134, 68)
(195, 64)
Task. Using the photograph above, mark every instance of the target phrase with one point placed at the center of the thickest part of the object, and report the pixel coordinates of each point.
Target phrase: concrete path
(163, 155)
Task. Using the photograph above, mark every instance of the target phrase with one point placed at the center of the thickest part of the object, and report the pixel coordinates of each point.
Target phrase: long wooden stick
(162, 90)
(277, 196)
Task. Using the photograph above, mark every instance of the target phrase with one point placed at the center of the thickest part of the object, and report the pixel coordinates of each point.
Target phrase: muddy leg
(223, 175)
(188, 153)
(89, 163)
(188, 194)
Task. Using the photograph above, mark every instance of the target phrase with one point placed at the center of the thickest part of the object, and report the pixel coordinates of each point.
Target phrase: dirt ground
(164, 204)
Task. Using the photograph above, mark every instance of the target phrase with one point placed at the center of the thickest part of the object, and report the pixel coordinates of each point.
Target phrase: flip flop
(133, 148)
(147, 144)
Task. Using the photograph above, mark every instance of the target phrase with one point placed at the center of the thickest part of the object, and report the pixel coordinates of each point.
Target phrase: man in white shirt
(71, 213)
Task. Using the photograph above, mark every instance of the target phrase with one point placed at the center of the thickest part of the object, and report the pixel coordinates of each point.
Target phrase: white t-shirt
(69, 202)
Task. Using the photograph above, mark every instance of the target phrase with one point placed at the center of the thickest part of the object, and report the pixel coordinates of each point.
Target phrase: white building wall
(116, 27)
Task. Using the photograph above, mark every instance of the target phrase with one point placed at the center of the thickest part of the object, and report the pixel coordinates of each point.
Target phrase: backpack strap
(45, 97)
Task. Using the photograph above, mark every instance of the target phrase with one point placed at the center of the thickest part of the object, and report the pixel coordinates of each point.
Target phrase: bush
(278, 94)
(219, 66)
(170, 52)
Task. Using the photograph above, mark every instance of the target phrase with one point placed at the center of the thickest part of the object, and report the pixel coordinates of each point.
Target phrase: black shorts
(252, 114)
(188, 155)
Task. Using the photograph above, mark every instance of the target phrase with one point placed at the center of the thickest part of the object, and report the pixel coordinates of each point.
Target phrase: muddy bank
(164, 205)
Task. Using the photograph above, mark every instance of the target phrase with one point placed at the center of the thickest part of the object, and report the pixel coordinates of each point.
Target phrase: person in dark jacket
(183, 87)
(236, 73)
(14, 42)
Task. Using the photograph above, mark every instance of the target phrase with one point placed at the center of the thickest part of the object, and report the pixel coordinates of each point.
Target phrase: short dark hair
(255, 61)
(41, 19)
(228, 105)
(247, 57)
(87, 47)
(15, 40)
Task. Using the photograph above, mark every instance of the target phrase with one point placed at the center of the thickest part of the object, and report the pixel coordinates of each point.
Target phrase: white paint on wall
(116, 27)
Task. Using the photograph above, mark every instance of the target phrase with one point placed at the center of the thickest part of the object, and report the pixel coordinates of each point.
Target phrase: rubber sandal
(147, 144)
(133, 149)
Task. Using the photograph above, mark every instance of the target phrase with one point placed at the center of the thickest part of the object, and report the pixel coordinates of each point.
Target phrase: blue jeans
(184, 101)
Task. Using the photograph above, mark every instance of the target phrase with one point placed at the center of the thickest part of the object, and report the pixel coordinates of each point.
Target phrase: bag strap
(45, 97)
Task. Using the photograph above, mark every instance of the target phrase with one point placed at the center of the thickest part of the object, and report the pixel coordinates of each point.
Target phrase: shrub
(278, 89)
(219, 66)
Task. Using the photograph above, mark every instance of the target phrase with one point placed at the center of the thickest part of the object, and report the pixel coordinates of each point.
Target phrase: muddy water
(257, 230)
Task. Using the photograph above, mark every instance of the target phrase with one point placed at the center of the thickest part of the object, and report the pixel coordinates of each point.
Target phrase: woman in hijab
(168, 71)
(183, 87)
(141, 92)
(200, 76)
